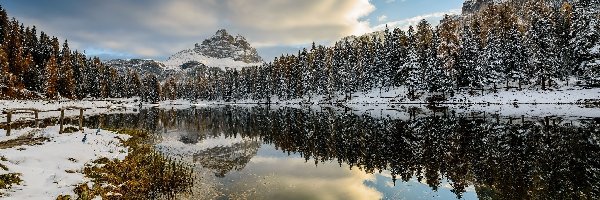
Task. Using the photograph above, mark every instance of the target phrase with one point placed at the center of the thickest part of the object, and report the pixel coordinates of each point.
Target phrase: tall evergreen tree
(66, 82)
(542, 44)
(51, 78)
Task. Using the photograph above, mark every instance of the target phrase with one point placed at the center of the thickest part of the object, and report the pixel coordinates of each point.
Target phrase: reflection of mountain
(503, 158)
(223, 159)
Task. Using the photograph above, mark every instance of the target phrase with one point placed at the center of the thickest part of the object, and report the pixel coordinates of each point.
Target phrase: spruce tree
(542, 45)
(66, 82)
(51, 78)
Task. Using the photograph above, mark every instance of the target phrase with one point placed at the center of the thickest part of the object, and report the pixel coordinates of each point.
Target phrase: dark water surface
(328, 153)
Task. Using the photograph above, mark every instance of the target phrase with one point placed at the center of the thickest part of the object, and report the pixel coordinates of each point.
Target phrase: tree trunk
(543, 83)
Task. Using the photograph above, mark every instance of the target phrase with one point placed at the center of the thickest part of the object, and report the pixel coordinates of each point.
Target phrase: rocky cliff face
(221, 50)
(223, 45)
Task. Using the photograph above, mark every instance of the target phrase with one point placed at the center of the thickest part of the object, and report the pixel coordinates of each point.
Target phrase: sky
(156, 29)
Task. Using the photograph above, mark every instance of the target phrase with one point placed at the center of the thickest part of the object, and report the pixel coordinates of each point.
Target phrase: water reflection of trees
(503, 159)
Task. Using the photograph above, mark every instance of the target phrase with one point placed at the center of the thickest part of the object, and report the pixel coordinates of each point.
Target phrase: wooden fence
(9, 113)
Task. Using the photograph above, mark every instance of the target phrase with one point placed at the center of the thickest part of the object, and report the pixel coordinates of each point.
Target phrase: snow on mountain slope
(221, 50)
(186, 56)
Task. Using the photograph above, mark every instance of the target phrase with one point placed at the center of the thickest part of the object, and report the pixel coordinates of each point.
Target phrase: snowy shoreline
(55, 167)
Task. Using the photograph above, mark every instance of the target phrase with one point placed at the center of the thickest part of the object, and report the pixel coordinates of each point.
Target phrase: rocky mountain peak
(221, 50)
(224, 45)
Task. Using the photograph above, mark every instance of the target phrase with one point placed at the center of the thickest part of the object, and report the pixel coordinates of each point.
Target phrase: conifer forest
(311, 99)
(497, 48)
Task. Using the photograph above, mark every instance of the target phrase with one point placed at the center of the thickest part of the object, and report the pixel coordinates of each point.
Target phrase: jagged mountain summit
(221, 50)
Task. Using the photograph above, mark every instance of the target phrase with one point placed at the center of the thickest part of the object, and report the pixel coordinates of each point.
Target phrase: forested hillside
(39, 66)
(524, 44)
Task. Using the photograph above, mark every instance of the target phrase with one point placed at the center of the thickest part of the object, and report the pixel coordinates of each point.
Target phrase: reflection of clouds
(293, 178)
(444, 189)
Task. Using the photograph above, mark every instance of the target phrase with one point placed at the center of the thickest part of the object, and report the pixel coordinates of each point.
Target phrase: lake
(259, 152)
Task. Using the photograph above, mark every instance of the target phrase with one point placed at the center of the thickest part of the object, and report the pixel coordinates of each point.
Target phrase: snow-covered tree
(541, 43)
(468, 68)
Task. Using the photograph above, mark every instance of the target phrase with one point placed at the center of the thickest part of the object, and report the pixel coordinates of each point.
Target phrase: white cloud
(295, 180)
(382, 18)
(157, 28)
(274, 22)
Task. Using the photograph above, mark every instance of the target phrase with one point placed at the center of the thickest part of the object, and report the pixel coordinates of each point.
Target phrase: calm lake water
(405, 153)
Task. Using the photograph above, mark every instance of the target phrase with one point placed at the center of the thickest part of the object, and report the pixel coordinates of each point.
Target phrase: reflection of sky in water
(414, 189)
(272, 174)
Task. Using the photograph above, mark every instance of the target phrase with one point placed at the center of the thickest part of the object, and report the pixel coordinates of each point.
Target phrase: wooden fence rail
(9, 113)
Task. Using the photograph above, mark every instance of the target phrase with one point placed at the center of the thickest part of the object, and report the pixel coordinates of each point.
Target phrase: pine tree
(449, 44)
(413, 68)
(586, 39)
(151, 89)
(51, 79)
(401, 43)
(380, 66)
(135, 83)
(4, 26)
(541, 42)
(468, 67)
(66, 82)
(494, 57)
(517, 61)
(14, 49)
(4, 75)
(437, 77)
(423, 47)
(80, 80)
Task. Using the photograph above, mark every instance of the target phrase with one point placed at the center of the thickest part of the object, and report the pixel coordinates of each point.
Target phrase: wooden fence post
(37, 122)
(62, 116)
(81, 119)
(8, 116)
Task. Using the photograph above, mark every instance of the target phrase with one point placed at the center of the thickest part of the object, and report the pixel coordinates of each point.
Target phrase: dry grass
(23, 140)
(143, 174)
(7, 180)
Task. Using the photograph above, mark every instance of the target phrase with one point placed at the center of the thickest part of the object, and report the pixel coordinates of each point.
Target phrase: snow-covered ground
(55, 167)
(50, 109)
(564, 102)
(569, 95)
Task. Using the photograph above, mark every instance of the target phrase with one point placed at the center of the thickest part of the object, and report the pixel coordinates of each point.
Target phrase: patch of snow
(50, 109)
(595, 49)
(43, 168)
(175, 61)
(531, 96)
